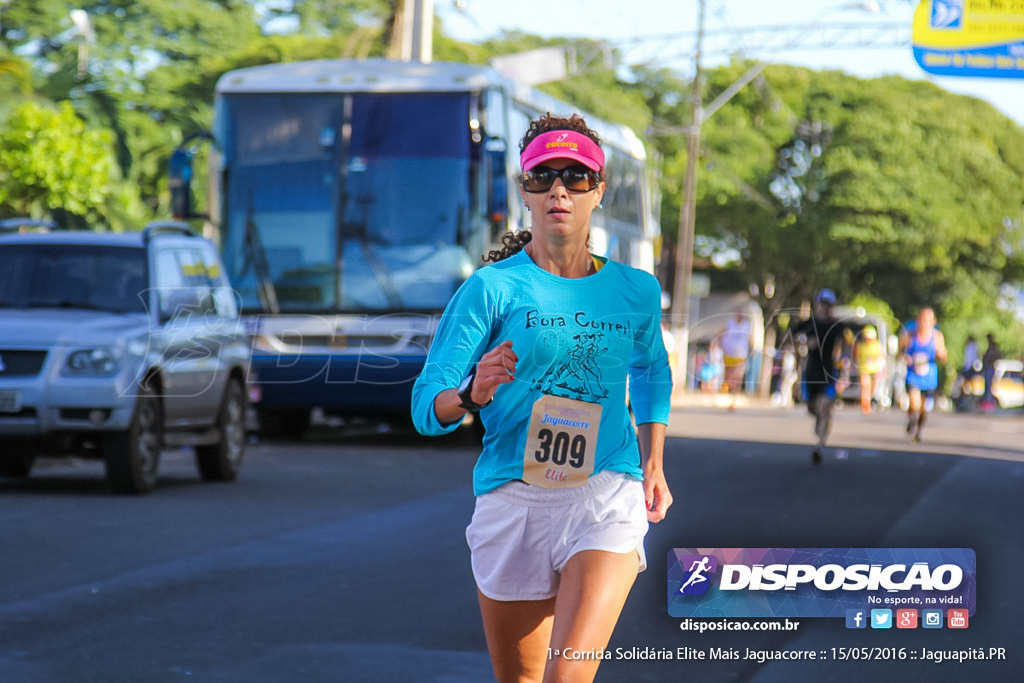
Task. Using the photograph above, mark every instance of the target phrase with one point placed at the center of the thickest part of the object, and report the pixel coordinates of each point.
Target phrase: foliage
(873, 306)
(910, 188)
(50, 161)
(15, 75)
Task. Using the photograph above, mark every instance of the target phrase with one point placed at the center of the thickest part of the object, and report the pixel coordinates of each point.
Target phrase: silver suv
(115, 345)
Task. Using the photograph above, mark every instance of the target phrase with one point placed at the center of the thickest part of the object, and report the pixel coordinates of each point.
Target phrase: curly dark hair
(549, 122)
(513, 242)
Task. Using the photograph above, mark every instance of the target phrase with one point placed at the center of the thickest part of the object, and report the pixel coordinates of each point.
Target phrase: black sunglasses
(576, 179)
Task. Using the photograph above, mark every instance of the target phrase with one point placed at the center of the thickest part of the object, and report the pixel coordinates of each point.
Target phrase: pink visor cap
(563, 144)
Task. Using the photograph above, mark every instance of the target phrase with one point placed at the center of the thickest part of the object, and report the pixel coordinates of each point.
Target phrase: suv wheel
(220, 461)
(16, 459)
(133, 457)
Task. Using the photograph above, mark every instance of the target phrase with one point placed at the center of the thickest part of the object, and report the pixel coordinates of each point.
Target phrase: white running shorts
(522, 536)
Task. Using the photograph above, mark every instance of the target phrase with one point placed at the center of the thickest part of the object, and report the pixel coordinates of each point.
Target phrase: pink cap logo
(563, 144)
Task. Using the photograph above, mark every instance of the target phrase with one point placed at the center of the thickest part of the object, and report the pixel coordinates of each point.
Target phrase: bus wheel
(284, 424)
(16, 459)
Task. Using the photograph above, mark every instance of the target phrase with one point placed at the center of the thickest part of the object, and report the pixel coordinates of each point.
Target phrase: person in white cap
(821, 334)
(540, 345)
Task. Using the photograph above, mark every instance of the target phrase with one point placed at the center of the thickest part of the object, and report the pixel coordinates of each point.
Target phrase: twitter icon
(881, 618)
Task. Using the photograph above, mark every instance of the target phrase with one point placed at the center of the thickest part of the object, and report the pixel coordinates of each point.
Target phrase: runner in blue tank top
(922, 348)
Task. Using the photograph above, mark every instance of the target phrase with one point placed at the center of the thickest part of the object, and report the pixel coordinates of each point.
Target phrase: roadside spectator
(845, 364)
(972, 358)
(736, 348)
(988, 371)
(963, 385)
(870, 362)
(712, 368)
(788, 375)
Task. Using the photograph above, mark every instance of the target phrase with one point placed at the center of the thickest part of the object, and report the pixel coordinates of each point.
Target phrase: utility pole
(86, 36)
(417, 31)
(680, 314)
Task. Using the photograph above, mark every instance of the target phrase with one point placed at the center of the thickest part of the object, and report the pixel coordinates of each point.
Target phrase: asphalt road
(342, 558)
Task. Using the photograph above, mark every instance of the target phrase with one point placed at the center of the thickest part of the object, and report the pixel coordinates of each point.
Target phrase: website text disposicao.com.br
(706, 625)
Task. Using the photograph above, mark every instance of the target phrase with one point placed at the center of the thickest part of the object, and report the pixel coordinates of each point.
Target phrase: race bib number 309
(561, 442)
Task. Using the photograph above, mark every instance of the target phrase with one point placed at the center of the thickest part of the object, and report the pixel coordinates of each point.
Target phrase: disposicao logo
(696, 582)
(816, 582)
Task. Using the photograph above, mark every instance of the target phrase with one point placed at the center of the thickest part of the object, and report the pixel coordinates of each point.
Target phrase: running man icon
(697, 570)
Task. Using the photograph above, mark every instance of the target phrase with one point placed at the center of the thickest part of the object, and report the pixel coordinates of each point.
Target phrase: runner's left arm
(651, 437)
(650, 393)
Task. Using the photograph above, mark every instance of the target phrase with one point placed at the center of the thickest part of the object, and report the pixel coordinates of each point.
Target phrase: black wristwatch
(466, 394)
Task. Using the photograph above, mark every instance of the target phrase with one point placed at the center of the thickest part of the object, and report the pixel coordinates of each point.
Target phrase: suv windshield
(103, 278)
(348, 201)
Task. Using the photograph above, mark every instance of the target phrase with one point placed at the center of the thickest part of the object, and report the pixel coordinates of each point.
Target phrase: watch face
(465, 384)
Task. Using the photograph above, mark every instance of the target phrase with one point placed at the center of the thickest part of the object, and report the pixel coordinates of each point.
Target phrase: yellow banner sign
(970, 37)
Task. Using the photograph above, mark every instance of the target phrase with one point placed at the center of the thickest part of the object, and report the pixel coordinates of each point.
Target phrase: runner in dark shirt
(821, 334)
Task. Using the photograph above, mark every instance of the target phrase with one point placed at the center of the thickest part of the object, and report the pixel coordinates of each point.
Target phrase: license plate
(10, 402)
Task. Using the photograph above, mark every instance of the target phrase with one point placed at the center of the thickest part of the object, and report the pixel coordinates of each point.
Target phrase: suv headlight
(92, 362)
(262, 342)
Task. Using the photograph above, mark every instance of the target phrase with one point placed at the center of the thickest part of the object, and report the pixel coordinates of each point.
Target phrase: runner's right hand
(496, 367)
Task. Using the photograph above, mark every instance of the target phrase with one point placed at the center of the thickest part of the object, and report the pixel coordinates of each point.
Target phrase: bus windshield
(346, 202)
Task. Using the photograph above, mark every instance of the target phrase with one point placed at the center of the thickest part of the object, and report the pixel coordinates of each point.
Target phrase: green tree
(50, 162)
(108, 79)
(15, 75)
(886, 187)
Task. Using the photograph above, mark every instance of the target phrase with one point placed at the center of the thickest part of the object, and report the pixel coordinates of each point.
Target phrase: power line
(757, 41)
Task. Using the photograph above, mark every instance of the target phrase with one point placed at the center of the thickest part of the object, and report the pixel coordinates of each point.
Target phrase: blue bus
(351, 198)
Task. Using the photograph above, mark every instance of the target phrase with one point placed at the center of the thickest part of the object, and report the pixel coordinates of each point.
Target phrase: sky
(662, 32)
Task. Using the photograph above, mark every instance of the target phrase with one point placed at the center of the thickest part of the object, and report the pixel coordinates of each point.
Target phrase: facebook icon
(856, 618)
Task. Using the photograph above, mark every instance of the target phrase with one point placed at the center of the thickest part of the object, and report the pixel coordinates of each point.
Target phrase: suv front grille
(17, 363)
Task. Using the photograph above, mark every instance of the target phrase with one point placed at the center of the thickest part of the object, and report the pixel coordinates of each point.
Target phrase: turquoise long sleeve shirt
(580, 338)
